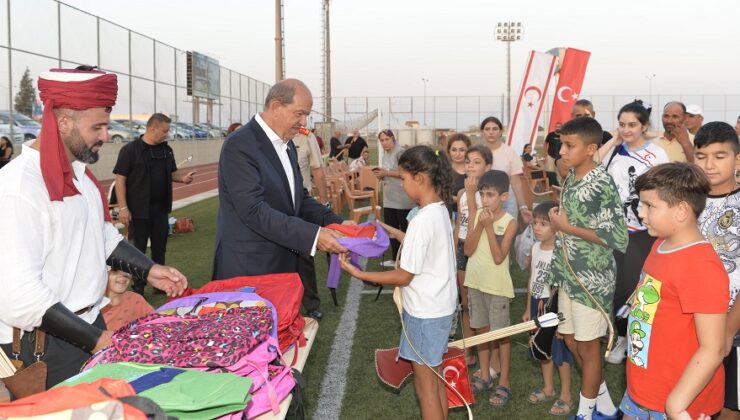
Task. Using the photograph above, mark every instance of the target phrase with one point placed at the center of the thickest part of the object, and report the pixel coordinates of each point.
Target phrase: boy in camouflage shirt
(590, 225)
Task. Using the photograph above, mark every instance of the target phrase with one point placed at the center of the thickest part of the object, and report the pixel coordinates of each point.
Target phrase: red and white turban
(73, 89)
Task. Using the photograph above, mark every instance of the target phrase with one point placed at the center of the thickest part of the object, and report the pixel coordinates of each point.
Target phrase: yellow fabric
(672, 147)
(482, 273)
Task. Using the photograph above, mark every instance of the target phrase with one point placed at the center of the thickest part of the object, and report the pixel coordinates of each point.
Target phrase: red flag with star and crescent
(572, 73)
(537, 76)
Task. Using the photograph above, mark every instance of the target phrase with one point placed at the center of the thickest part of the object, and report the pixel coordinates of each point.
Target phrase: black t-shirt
(334, 143)
(605, 137)
(553, 144)
(527, 157)
(159, 188)
(356, 149)
(148, 171)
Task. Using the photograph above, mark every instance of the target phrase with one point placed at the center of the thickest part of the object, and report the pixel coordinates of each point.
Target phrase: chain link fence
(152, 76)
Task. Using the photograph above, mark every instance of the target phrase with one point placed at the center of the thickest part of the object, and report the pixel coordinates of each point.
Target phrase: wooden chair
(367, 181)
(544, 184)
(352, 196)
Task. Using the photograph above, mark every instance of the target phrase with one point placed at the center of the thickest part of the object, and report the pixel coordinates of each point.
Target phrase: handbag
(184, 225)
(27, 380)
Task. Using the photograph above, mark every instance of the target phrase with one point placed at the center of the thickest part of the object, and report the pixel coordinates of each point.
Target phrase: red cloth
(354, 231)
(680, 284)
(97, 92)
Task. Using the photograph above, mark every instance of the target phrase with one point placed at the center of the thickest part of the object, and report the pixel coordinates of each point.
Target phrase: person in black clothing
(552, 148)
(584, 108)
(355, 144)
(144, 172)
(336, 146)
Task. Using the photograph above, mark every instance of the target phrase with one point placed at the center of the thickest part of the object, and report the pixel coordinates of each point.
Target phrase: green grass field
(378, 327)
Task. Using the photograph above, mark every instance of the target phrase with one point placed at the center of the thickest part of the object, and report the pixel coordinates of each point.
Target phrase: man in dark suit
(266, 219)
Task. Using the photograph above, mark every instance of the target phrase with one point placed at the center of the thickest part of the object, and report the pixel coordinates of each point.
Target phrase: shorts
(462, 260)
(560, 352)
(636, 411)
(487, 310)
(731, 379)
(429, 337)
(584, 322)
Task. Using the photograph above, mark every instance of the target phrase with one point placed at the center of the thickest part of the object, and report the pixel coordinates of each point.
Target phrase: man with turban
(56, 238)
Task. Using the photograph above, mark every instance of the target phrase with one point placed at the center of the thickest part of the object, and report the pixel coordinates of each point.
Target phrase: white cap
(693, 109)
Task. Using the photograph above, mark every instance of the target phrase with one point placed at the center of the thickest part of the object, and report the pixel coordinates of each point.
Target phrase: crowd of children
(635, 241)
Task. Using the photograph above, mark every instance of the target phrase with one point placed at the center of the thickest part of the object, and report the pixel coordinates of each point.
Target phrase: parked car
(213, 132)
(119, 132)
(187, 131)
(137, 127)
(28, 127)
(5, 132)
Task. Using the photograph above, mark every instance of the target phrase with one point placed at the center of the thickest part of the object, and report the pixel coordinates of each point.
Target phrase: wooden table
(309, 330)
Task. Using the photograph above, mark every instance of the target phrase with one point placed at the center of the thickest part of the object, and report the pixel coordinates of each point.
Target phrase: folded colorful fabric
(363, 246)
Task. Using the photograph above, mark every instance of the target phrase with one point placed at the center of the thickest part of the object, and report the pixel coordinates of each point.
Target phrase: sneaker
(619, 352)
(388, 263)
(599, 416)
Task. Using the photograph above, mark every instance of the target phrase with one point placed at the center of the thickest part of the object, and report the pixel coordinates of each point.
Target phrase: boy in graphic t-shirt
(676, 325)
(717, 152)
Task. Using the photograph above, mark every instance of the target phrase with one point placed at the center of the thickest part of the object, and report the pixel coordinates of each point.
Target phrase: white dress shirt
(281, 148)
(50, 251)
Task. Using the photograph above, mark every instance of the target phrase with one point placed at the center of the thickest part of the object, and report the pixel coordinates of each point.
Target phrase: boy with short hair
(538, 296)
(717, 153)
(678, 316)
(488, 279)
(591, 225)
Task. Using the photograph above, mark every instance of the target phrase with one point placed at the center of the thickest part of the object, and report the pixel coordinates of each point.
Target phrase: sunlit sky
(384, 47)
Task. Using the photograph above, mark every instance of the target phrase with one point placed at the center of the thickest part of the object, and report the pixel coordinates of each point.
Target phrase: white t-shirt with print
(540, 271)
(464, 213)
(428, 254)
(624, 168)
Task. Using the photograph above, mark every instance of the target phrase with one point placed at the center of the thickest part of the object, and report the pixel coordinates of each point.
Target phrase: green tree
(26, 95)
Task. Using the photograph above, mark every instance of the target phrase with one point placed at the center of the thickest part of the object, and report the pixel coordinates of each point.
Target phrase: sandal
(538, 396)
(480, 385)
(561, 408)
(500, 397)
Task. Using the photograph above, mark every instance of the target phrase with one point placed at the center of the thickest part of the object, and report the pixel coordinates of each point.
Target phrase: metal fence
(464, 113)
(152, 76)
(42, 34)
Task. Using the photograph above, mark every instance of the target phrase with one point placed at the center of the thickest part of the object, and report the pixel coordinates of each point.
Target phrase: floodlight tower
(508, 32)
(326, 58)
(279, 42)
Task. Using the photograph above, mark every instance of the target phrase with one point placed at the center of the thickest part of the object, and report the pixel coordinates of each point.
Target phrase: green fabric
(190, 395)
(592, 202)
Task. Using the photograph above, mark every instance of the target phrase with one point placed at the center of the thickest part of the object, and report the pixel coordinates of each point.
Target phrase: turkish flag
(572, 72)
(537, 76)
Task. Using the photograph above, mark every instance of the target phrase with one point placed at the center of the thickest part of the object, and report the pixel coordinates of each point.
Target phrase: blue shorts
(636, 411)
(429, 337)
(560, 352)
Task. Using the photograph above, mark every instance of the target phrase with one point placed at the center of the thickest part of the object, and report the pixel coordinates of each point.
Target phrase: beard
(79, 149)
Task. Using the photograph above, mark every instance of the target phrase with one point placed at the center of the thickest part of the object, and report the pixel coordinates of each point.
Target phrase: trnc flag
(572, 72)
(523, 128)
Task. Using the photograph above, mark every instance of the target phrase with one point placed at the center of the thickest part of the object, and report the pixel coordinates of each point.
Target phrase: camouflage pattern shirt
(593, 203)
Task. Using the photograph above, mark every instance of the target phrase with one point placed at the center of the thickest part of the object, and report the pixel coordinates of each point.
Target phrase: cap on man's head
(693, 109)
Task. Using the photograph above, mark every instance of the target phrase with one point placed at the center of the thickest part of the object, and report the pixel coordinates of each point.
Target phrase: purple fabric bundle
(358, 247)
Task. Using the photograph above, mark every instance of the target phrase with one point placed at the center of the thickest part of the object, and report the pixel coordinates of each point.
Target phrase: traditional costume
(55, 236)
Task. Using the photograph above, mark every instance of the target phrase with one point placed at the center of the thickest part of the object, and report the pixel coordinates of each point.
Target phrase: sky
(386, 47)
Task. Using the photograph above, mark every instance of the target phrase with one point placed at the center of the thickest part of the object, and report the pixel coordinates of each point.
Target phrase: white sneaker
(388, 263)
(619, 352)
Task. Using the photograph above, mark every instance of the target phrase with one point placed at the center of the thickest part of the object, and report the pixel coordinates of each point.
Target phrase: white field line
(329, 406)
